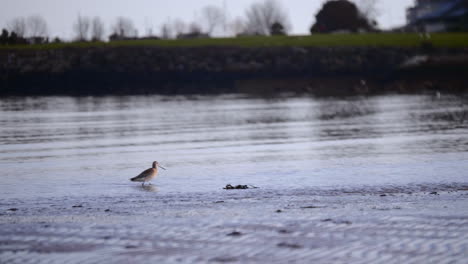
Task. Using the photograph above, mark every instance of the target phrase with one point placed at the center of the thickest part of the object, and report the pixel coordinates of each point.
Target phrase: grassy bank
(209, 66)
(317, 40)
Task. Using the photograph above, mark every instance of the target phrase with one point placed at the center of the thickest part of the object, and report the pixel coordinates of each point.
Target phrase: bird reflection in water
(148, 188)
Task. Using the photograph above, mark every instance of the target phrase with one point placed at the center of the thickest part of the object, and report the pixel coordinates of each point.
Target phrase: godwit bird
(148, 174)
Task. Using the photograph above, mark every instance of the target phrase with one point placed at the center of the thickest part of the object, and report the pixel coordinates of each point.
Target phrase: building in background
(438, 16)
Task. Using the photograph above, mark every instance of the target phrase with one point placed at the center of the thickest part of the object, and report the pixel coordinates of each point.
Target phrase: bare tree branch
(36, 26)
(166, 32)
(148, 27)
(17, 25)
(261, 16)
(97, 29)
(81, 28)
(179, 27)
(212, 17)
(123, 27)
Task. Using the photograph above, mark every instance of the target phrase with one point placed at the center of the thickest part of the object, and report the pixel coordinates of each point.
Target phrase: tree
(212, 17)
(57, 40)
(11, 38)
(4, 37)
(261, 16)
(179, 27)
(14, 39)
(36, 26)
(166, 32)
(277, 29)
(97, 29)
(339, 15)
(194, 28)
(18, 25)
(81, 28)
(124, 28)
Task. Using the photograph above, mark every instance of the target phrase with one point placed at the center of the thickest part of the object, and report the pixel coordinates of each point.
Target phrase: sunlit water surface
(64, 146)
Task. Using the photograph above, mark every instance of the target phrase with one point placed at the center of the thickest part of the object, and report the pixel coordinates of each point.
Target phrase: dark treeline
(11, 38)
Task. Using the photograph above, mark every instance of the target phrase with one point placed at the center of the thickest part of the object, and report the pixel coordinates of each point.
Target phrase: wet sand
(398, 224)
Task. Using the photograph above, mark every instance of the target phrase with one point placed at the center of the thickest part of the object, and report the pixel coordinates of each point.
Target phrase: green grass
(317, 40)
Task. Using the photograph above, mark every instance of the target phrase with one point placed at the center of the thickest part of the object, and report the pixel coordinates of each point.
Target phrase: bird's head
(155, 163)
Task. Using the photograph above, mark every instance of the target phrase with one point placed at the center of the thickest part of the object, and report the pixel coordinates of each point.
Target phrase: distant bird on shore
(148, 174)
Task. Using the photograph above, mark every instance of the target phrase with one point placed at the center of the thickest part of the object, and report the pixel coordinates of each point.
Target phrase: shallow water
(65, 146)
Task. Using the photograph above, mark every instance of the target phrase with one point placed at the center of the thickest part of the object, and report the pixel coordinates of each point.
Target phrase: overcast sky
(60, 14)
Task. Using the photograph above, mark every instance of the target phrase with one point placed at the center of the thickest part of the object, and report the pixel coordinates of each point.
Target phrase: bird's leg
(143, 184)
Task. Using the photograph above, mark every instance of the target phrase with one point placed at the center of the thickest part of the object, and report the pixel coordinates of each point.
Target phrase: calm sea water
(65, 146)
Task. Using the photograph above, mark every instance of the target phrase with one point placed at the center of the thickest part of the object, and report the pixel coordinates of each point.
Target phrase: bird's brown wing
(143, 175)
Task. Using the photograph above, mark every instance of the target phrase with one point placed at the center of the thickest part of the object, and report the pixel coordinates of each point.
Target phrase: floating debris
(13, 209)
(77, 206)
(239, 187)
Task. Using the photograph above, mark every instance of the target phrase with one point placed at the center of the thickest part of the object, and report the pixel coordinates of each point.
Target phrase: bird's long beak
(161, 167)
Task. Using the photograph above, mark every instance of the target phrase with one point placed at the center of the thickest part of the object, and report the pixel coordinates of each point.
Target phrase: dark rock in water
(383, 195)
(107, 210)
(288, 245)
(130, 246)
(77, 206)
(235, 233)
(434, 193)
(312, 207)
(346, 222)
(337, 222)
(13, 209)
(238, 187)
(224, 259)
(279, 211)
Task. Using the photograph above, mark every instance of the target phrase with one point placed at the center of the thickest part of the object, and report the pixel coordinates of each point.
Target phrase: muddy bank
(368, 225)
(212, 70)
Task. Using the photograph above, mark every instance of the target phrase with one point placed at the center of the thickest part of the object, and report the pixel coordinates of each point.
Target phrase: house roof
(447, 9)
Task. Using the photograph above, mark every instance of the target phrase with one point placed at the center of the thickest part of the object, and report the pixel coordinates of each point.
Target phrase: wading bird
(148, 174)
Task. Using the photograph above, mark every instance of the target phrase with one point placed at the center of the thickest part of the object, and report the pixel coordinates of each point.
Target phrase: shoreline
(218, 70)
